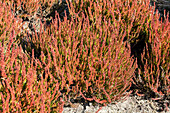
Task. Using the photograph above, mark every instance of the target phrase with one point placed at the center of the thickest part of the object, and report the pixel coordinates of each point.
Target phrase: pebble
(133, 104)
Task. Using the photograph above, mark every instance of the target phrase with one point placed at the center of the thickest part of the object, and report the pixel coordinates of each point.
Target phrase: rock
(45, 13)
(161, 5)
(31, 23)
(133, 104)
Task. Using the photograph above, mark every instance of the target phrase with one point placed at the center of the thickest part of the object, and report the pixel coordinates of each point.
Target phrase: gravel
(132, 104)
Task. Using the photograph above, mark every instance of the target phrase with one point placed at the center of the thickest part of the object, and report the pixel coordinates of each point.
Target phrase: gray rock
(161, 5)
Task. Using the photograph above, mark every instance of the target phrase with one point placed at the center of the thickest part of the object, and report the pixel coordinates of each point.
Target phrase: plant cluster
(97, 53)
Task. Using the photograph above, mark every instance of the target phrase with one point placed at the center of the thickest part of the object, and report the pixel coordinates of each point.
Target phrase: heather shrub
(142, 26)
(87, 62)
(132, 14)
(91, 55)
(8, 24)
(153, 77)
(21, 86)
(30, 84)
(28, 6)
